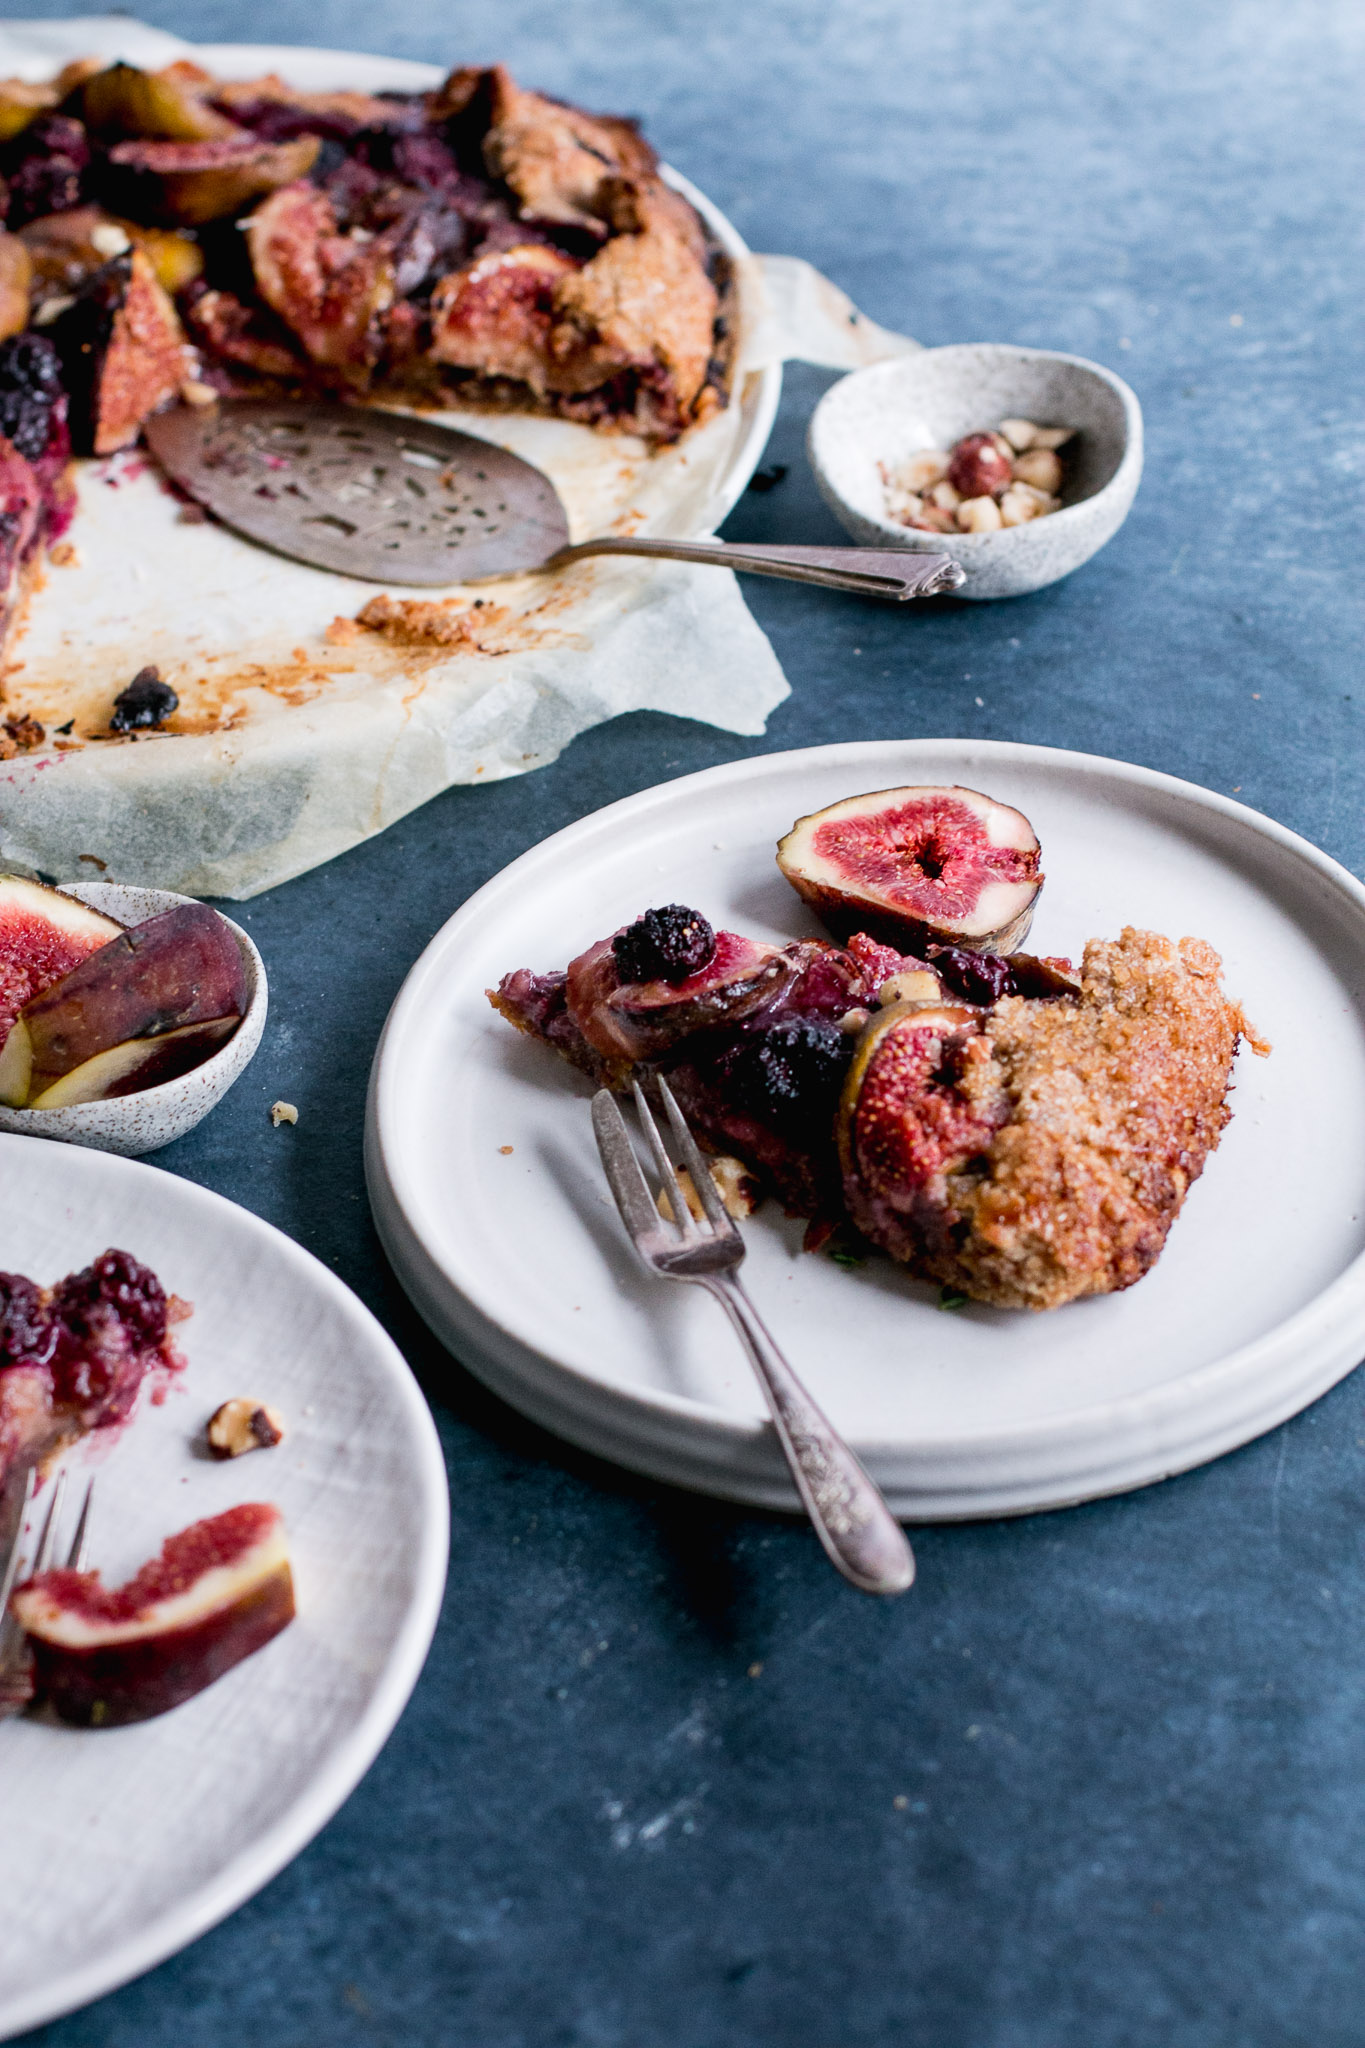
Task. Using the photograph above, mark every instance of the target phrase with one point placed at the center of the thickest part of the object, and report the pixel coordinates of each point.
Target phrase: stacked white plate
(488, 1194)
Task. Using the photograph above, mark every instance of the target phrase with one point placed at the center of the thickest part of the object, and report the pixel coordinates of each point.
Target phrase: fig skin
(943, 866)
(639, 1019)
(191, 183)
(121, 100)
(180, 969)
(218, 1592)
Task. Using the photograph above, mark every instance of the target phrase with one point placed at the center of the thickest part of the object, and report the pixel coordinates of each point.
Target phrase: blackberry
(795, 1067)
(53, 156)
(30, 392)
(116, 1285)
(664, 945)
(974, 977)
(146, 702)
(28, 1334)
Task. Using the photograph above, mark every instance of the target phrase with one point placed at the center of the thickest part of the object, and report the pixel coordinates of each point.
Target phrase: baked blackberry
(664, 945)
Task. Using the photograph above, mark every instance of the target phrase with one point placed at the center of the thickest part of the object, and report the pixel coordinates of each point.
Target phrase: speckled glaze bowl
(931, 399)
(133, 1124)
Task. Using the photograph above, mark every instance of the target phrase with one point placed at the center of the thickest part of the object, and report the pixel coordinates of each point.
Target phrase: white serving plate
(519, 1263)
(123, 1845)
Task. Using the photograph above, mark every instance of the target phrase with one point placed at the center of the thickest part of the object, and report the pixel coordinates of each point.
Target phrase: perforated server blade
(389, 498)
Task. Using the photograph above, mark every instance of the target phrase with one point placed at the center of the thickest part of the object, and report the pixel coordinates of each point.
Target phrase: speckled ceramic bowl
(931, 399)
(132, 1124)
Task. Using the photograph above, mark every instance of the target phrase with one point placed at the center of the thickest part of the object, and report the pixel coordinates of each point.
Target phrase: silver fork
(859, 1532)
(16, 1683)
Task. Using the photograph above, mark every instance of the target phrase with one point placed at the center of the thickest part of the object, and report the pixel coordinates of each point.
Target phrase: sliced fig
(160, 105)
(986, 977)
(183, 968)
(123, 353)
(918, 865)
(193, 182)
(904, 1122)
(16, 275)
(218, 1592)
(43, 935)
(330, 288)
(21, 104)
(634, 1020)
(137, 1064)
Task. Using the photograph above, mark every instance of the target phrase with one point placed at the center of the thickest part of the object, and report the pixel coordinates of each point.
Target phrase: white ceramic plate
(519, 1263)
(122, 1846)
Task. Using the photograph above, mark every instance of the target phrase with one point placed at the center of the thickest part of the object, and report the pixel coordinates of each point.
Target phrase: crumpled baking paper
(293, 746)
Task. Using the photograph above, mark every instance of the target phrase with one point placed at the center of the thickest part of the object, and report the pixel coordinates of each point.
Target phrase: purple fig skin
(183, 967)
(134, 1681)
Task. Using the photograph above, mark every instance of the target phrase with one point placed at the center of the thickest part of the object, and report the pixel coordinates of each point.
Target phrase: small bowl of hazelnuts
(1020, 463)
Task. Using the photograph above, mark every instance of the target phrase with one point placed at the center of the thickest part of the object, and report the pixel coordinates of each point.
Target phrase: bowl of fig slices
(125, 1013)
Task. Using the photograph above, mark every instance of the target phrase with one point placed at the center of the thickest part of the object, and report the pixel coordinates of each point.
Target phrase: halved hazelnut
(921, 472)
(243, 1425)
(979, 515)
(916, 985)
(1052, 437)
(739, 1192)
(1019, 433)
(944, 495)
(1019, 505)
(1040, 467)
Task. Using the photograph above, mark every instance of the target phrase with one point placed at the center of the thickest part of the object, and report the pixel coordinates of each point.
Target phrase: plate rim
(347, 1761)
(397, 1209)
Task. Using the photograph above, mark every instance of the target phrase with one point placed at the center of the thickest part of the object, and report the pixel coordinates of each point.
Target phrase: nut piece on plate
(104, 1656)
(739, 1192)
(918, 866)
(243, 1425)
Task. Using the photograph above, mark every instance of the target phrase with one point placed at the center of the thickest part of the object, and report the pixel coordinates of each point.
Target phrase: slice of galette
(1002, 1125)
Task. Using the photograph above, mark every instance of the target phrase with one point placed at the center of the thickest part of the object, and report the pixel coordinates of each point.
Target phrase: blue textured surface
(1101, 1779)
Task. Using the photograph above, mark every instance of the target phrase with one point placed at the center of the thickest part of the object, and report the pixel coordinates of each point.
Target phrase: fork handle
(861, 1536)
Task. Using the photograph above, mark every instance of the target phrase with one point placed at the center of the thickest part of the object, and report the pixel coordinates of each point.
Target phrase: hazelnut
(945, 496)
(1019, 433)
(1019, 505)
(1040, 467)
(979, 515)
(1052, 437)
(980, 465)
(921, 472)
(243, 1425)
(738, 1190)
(935, 519)
(283, 1113)
(915, 985)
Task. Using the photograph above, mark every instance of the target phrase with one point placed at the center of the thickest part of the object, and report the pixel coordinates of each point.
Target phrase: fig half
(44, 933)
(106, 1656)
(81, 1038)
(918, 866)
(190, 183)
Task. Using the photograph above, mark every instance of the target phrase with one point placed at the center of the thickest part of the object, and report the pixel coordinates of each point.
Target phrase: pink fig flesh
(43, 935)
(918, 866)
(180, 969)
(105, 1656)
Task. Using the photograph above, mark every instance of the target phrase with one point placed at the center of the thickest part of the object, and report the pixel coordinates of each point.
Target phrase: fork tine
(682, 1215)
(47, 1542)
(11, 1571)
(707, 1192)
(621, 1167)
(80, 1542)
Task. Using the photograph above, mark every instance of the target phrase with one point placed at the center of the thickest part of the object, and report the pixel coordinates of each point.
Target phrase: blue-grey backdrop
(665, 1782)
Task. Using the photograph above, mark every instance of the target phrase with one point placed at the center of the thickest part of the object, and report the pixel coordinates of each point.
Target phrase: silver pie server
(389, 498)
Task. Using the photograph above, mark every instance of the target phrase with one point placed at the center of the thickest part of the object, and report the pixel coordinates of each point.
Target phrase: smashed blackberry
(116, 1284)
(664, 945)
(28, 1334)
(45, 169)
(147, 702)
(30, 392)
(974, 977)
(794, 1069)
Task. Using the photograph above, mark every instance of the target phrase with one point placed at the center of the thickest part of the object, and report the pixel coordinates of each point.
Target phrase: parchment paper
(289, 746)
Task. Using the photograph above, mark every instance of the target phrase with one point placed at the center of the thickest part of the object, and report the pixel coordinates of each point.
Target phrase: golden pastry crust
(1113, 1105)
